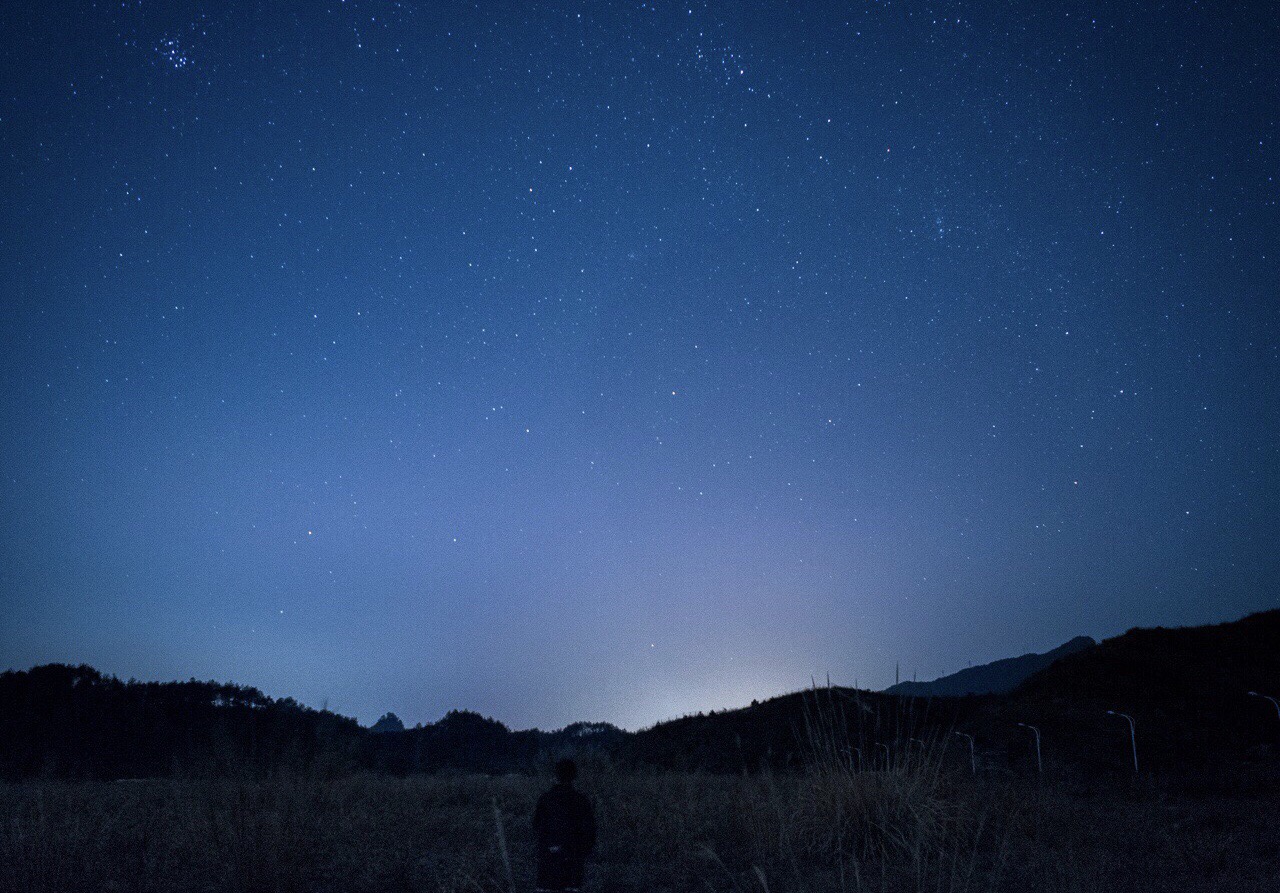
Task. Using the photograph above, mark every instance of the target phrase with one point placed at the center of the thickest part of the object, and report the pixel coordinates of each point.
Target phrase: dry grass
(892, 821)
(826, 831)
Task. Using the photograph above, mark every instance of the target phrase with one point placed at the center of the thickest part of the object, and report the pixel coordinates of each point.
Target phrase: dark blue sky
(612, 361)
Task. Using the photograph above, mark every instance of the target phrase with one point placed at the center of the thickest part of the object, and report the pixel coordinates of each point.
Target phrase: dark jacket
(565, 828)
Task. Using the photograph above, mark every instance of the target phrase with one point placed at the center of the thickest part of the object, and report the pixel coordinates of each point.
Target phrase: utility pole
(1274, 702)
(1035, 731)
(1133, 736)
(973, 760)
(886, 754)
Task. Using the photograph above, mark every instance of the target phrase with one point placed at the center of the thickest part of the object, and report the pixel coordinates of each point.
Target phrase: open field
(823, 831)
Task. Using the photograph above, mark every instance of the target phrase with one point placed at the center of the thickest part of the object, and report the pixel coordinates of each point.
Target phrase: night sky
(611, 361)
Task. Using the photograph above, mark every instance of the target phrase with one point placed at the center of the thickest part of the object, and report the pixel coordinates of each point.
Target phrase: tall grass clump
(869, 811)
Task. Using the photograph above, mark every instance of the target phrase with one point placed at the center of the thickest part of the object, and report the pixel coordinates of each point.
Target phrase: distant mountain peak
(389, 723)
(996, 677)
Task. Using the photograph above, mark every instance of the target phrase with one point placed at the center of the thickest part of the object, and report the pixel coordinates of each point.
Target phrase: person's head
(566, 771)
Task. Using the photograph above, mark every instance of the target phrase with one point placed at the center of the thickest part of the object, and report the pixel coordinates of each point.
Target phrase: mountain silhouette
(388, 723)
(1195, 693)
(997, 677)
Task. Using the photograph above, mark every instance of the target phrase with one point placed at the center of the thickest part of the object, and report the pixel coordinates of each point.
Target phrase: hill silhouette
(388, 722)
(1187, 689)
(996, 677)
(74, 722)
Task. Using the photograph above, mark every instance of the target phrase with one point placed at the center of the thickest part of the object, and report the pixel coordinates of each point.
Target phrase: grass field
(910, 829)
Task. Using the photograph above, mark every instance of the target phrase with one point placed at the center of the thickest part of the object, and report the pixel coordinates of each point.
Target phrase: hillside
(1187, 690)
(997, 677)
(75, 722)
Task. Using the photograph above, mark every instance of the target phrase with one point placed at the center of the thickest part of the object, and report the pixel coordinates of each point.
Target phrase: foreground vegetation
(907, 829)
(150, 787)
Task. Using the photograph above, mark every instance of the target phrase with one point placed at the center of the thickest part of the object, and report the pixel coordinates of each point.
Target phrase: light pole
(886, 754)
(973, 760)
(1035, 731)
(1274, 702)
(1133, 736)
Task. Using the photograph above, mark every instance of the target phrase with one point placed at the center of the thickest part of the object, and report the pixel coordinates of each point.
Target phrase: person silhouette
(565, 827)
